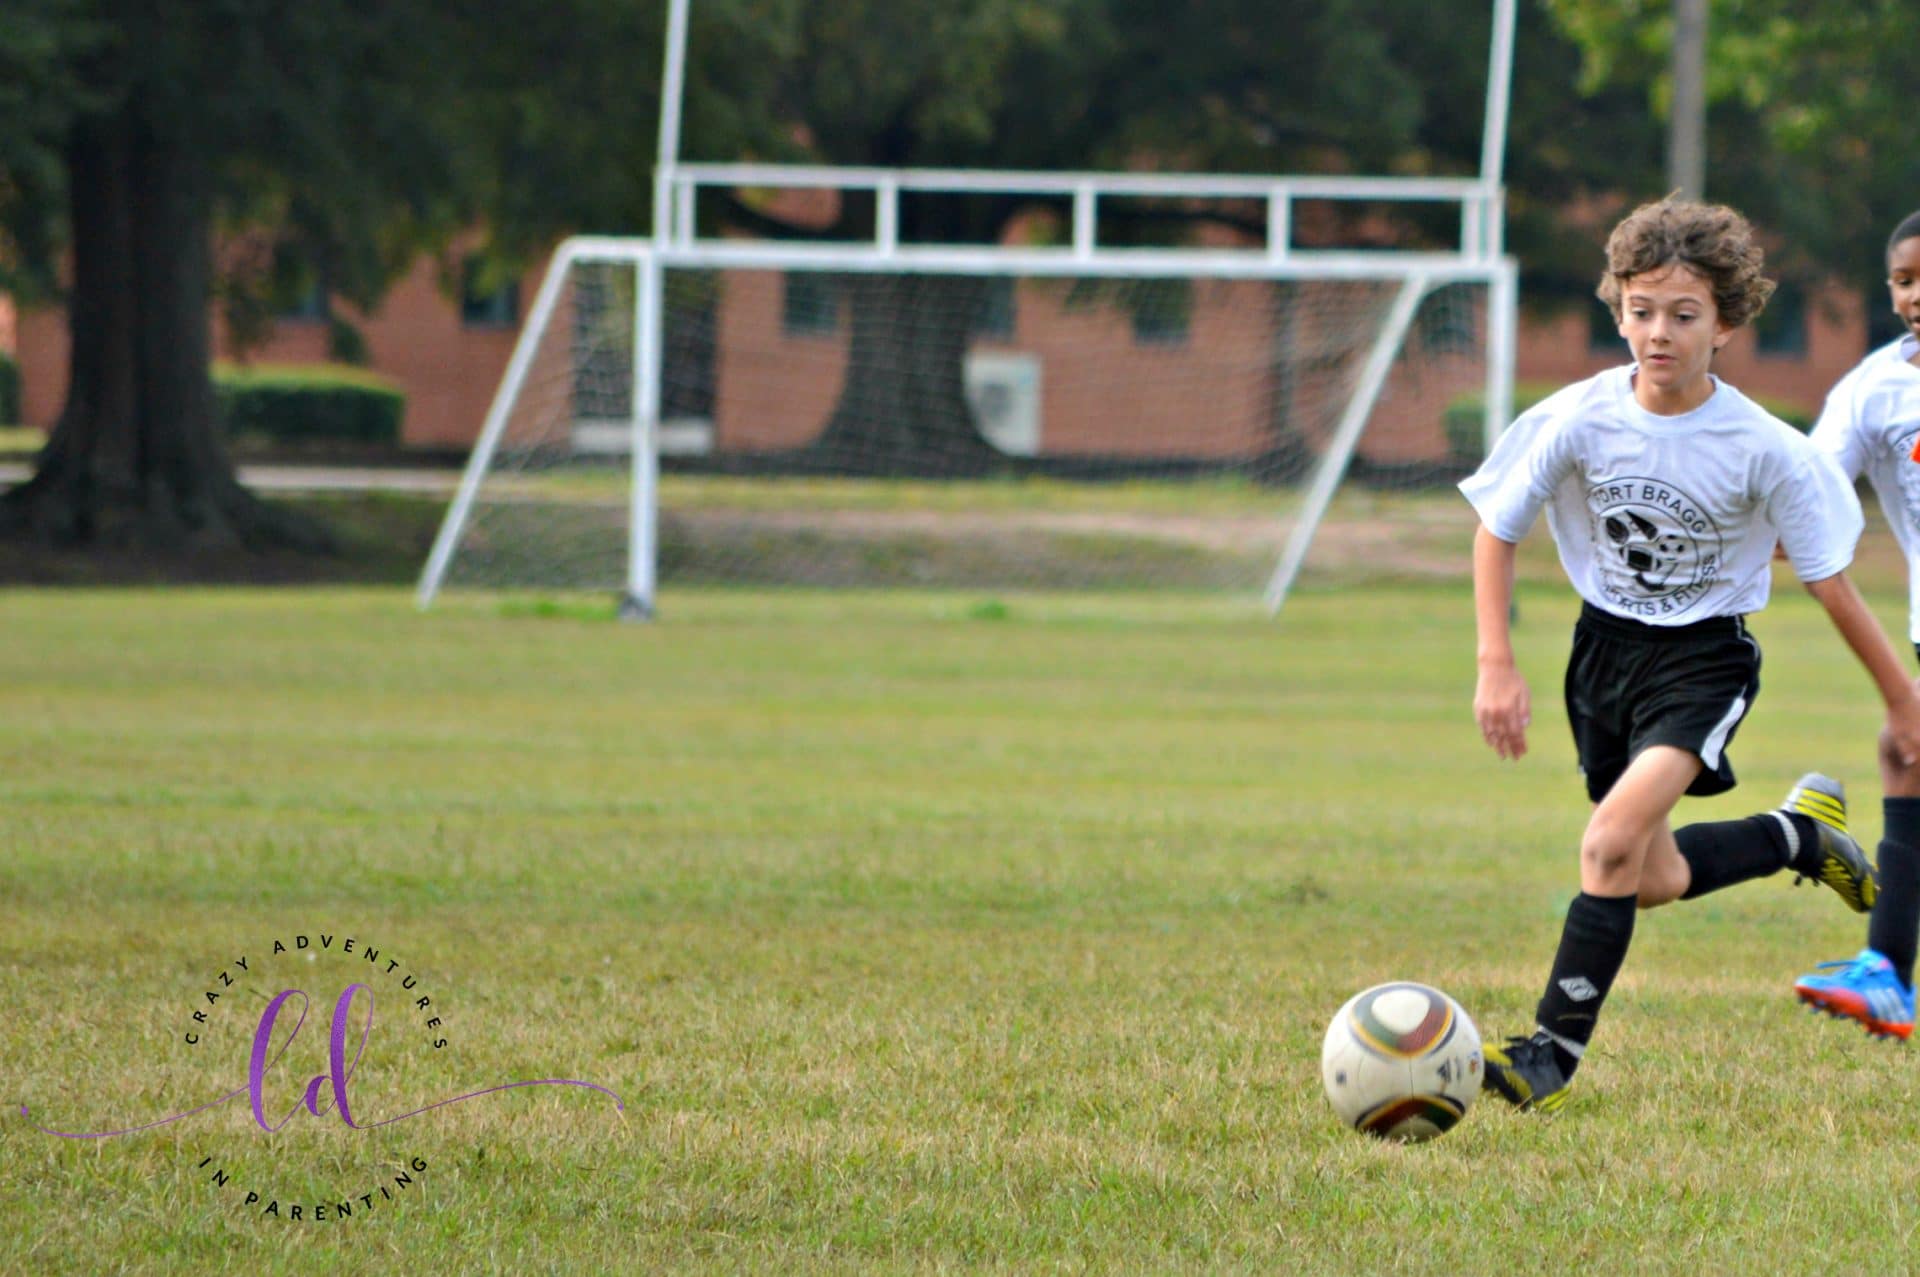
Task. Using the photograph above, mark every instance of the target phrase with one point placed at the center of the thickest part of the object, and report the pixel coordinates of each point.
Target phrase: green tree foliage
(41, 44)
(1806, 108)
(153, 124)
(336, 140)
(326, 144)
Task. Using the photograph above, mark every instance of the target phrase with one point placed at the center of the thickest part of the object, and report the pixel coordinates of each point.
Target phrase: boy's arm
(1839, 432)
(1502, 704)
(1876, 652)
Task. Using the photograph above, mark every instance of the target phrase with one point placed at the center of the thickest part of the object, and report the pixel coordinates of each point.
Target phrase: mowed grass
(918, 932)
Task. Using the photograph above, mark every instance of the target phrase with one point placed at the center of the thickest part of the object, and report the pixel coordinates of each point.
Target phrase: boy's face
(1670, 321)
(1903, 282)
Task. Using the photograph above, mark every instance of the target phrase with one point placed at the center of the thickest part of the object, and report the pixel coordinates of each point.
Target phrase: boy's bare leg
(1629, 826)
(1666, 875)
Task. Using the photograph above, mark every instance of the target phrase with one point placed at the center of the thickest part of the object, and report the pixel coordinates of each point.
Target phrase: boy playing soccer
(1871, 423)
(1666, 491)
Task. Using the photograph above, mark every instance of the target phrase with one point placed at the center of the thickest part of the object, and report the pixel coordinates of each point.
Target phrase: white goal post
(629, 306)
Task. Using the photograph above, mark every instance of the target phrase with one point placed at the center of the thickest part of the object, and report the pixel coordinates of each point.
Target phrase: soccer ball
(1401, 1061)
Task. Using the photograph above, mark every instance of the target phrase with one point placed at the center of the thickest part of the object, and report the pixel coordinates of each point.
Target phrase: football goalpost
(1059, 407)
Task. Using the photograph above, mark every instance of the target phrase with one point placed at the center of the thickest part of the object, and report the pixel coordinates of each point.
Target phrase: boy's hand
(1503, 707)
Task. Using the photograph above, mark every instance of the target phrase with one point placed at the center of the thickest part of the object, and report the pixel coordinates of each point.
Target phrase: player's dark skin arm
(1876, 653)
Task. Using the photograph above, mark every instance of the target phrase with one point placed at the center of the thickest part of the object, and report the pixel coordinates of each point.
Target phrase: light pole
(1686, 138)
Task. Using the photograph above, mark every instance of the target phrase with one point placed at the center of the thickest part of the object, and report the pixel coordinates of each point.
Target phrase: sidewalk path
(311, 478)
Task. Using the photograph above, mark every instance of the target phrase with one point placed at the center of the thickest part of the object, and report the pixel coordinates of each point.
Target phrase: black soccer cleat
(1837, 860)
(1526, 1073)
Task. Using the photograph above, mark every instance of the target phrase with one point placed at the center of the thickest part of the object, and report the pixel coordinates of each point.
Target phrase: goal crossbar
(1479, 202)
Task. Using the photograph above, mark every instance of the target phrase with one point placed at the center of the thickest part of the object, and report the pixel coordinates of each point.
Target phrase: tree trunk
(136, 457)
(903, 407)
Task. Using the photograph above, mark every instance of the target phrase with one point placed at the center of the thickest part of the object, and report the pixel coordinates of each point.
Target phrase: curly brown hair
(1712, 240)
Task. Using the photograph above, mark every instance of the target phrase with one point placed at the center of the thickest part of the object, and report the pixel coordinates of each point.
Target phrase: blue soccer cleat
(1866, 989)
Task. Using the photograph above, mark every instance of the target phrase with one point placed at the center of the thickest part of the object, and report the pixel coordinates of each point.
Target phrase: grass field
(917, 932)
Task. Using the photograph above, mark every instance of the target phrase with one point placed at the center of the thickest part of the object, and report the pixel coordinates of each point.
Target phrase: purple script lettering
(339, 1071)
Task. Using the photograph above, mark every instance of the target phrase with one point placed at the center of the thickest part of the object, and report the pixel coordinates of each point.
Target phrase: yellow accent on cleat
(1523, 1073)
(1821, 798)
(1843, 864)
(1823, 809)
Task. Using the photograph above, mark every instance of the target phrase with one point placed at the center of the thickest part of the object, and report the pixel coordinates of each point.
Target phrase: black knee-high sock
(1896, 911)
(1724, 852)
(1593, 944)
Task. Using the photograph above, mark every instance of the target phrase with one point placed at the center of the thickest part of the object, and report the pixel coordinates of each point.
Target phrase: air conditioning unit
(678, 437)
(1004, 392)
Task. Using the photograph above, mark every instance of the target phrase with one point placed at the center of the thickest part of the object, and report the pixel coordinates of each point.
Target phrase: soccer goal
(1062, 406)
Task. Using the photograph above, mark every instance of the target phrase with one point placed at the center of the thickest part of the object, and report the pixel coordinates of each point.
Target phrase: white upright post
(644, 506)
(1493, 133)
(673, 78)
(1503, 299)
(1687, 129)
(1503, 307)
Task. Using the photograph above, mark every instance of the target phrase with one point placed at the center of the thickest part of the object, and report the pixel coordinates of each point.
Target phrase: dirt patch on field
(383, 537)
(1049, 549)
(1414, 542)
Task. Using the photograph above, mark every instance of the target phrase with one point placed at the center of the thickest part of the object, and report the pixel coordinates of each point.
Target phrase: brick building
(1188, 380)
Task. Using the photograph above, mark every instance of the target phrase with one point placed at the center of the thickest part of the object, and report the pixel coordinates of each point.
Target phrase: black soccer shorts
(1632, 685)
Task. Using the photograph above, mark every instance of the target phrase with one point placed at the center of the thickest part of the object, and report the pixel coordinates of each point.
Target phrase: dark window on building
(297, 285)
(1163, 312)
(688, 342)
(995, 317)
(810, 304)
(482, 306)
(308, 304)
(1781, 328)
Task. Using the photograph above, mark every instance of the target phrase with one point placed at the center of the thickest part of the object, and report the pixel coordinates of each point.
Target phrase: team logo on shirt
(1908, 445)
(1656, 549)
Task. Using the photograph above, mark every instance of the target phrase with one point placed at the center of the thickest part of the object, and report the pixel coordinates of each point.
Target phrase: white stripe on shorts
(1717, 739)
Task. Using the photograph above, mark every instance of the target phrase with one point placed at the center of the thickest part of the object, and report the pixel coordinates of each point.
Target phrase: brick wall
(1103, 390)
(448, 369)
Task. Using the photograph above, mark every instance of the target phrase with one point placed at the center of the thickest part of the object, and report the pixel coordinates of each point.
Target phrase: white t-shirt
(1667, 520)
(1869, 425)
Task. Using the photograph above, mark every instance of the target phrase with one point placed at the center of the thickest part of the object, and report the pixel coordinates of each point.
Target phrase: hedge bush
(1799, 418)
(1465, 416)
(308, 403)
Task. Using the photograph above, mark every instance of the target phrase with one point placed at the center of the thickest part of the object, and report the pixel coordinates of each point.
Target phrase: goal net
(841, 424)
(820, 375)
